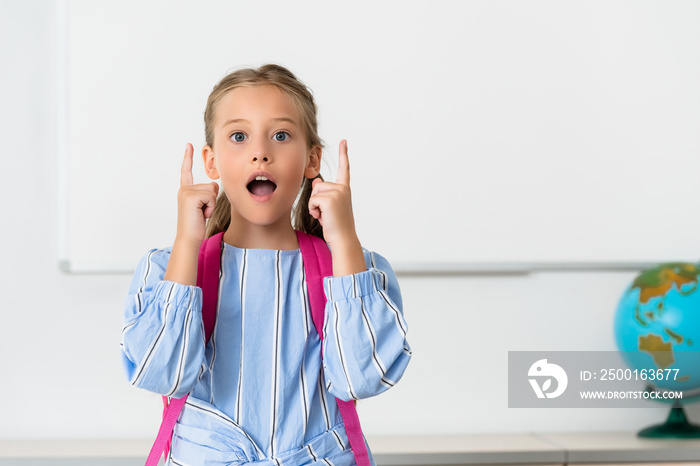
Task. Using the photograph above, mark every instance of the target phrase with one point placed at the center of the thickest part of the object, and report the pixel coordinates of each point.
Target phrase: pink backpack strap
(208, 267)
(317, 265)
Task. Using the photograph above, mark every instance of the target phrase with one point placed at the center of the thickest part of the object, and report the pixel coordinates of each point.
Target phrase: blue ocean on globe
(657, 325)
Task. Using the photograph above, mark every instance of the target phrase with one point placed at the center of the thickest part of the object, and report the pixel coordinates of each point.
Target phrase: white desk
(534, 448)
(625, 448)
(601, 449)
(503, 449)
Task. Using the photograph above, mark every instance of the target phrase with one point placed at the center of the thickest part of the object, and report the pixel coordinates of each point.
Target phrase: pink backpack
(317, 265)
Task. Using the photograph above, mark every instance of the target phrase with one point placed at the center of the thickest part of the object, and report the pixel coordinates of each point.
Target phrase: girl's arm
(331, 204)
(195, 203)
(365, 350)
(163, 337)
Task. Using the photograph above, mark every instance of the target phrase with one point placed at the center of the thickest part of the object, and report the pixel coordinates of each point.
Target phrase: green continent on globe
(660, 351)
(656, 282)
(679, 338)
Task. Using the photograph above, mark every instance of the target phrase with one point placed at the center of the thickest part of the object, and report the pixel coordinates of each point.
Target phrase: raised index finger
(343, 165)
(186, 171)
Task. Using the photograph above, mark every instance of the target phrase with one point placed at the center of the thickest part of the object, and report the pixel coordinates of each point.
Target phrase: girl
(259, 392)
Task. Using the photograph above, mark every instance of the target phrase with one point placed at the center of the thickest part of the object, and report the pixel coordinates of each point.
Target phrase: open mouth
(261, 186)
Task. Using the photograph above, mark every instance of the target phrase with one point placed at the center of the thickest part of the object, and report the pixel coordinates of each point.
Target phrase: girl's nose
(260, 151)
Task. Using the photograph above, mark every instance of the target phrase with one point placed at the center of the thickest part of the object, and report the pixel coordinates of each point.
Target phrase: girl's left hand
(331, 204)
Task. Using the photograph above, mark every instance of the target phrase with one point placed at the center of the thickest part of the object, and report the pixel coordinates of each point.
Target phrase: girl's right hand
(195, 203)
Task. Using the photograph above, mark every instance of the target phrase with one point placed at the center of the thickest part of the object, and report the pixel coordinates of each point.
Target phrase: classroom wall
(61, 379)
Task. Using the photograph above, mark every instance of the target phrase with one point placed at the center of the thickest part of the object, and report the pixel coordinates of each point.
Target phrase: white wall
(60, 380)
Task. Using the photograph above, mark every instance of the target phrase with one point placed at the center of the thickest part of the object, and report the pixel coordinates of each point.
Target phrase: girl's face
(260, 154)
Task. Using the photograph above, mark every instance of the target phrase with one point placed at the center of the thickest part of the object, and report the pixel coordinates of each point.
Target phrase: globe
(657, 325)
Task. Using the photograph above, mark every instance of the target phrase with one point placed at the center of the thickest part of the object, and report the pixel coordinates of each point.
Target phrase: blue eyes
(240, 137)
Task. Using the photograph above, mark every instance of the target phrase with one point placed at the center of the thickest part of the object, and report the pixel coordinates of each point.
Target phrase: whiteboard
(482, 134)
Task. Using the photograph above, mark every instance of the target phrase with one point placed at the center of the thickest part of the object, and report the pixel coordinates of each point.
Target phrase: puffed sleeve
(365, 350)
(162, 344)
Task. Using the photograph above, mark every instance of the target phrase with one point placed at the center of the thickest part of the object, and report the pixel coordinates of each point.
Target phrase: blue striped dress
(259, 391)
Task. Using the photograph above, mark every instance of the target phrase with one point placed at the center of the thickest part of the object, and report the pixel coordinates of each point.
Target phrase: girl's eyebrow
(238, 120)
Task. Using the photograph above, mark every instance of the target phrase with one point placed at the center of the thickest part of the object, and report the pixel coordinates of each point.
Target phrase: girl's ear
(313, 163)
(210, 163)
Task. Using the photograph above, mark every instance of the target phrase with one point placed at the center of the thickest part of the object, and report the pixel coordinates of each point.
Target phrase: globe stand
(676, 426)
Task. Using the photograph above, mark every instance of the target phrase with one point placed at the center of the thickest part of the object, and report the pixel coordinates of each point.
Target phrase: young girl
(259, 391)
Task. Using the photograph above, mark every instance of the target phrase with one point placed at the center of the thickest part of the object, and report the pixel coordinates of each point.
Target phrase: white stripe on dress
(311, 452)
(324, 400)
(155, 343)
(340, 351)
(337, 438)
(244, 277)
(146, 274)
(139, 303)
(381, 272)
(322, 389)
(183, 350)
(302, 374)
(214, 334)
(381, 368)
(399, 318)
(275, 355)
(127, 327)
(177, 462)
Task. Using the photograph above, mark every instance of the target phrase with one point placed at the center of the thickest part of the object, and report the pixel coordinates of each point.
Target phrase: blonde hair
(303, 100)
